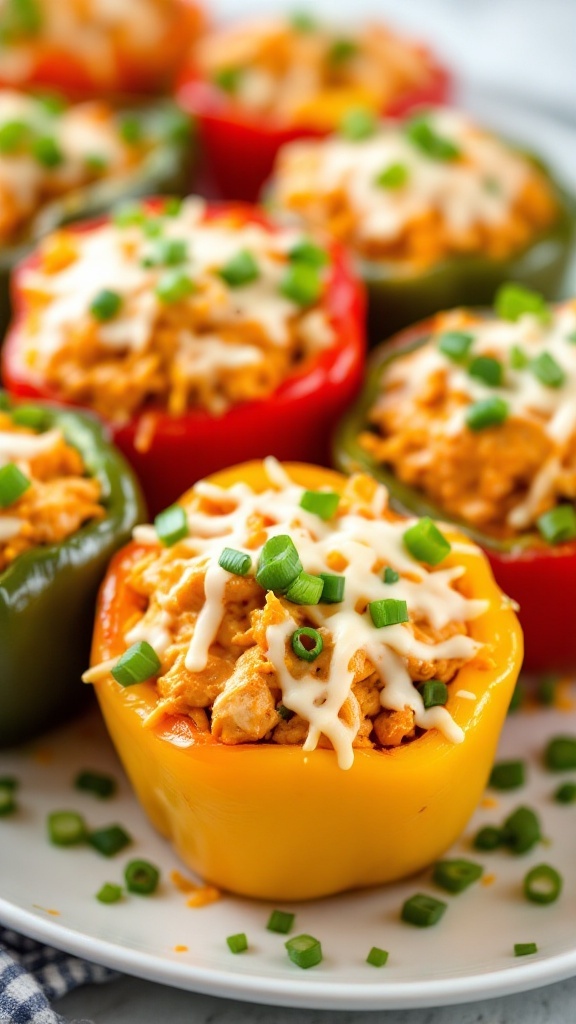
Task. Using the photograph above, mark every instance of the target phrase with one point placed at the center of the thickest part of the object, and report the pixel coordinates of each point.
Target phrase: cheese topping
(234, 652)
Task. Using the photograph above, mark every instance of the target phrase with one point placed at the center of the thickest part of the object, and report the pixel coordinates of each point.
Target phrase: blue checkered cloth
(32, 975)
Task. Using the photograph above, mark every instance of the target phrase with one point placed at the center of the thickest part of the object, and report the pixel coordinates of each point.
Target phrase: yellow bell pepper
(274, 822)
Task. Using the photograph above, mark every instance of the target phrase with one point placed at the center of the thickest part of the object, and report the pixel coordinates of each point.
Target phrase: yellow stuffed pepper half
(306, 689)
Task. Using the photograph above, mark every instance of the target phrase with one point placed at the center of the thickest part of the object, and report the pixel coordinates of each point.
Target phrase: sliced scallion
(237, 562)
(560, 754)
(455, 345)
(486, 412)
(426, 543)
(558, 525)
(542, 884)
(109, 893)
(171, 525)
(521, 830)
(456, 875)
(357, 124)
(323, 503)
(422, 910)
(306, 589)
(237, 943)
(514, 300)
(66, 828)
(525, 948)
(434, 693)
(490, 371)
(13, 484)
(377, 957)
(141, 877)
(280, 921)
(139, 663)
(109, 840)
(388, 612)
(302, 284)
(508, 775)
(307, 643)
(103, 786)
(333, 588)
(548, 371)
(240, 270)
(304, 951)
(279, 564)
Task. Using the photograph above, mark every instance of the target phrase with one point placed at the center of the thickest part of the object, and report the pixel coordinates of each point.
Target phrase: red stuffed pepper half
(472, 417)
(259, 84)
(202, 334)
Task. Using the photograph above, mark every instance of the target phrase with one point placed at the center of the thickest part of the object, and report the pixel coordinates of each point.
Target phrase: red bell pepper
(240, 147)
(294, 423)
(541, 578)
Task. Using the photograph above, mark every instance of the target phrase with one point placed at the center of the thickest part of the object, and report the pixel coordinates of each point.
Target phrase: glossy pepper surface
(294, 422)
(539, 577)
(47, 594)
(274, 822)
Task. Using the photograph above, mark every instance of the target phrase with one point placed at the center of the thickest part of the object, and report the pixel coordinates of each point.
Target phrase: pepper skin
(540, 578)
(239, 149)
(274, 822)
(47, 594)
(295, 422)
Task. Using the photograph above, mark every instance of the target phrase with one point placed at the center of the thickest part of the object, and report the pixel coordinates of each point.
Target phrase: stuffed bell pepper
(256, 85)
(435, 210)
(472, 417)
(67, 502)
(305, 688)
(61, 161)
(90, 48)
(201, 334)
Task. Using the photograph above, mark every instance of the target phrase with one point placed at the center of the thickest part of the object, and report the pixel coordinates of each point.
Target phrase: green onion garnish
(323, 503)
(377, 957)
(279, 564)
(455, 345)
(388, 612)
(240, 270)
(7, 797)
(171, 206)
(456, 875)
(488, 838)
(393, 176)
(236, 562)
(109, 893)
(358, 124)
(174, 286)
(228, 79)
(66, 828)
(507, 775)
(390, 575)
(426, 543)
(421, 134)
(306, 643)
(20, 18)
(13, 136)
(131, 129)
(422, 910)
(168, 252)
(304, 951)
(280, 921)
(237, 943)
(333, 588)
(47, 152)
(103, 786)
(433, 692)
(31, 416)
(542, 884)
(548, 371)
(487, 412)
(490, 371)
(302, 284)
(341, 51)
(139, 663)
(306, 589)
(525, 948)
(521, 830)
(560, 754)
(171, 525)
(566, 793)
(558, 525)
(306, 251)
(518, 358)
(109, 840)
(141, 877)
(106, 305)
(13, 484)
(514, 300)
(285, 713)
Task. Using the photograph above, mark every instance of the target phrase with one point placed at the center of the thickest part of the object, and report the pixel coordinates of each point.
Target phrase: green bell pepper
(48, 593)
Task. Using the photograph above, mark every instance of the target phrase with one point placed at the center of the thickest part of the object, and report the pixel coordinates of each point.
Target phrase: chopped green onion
(106, 305)
(13, 484)
(358, 124)
(490, 371)
(546, 690)
(139, 663)
(390, 575)
(514, 301)
(487, 412)
(393, 176)
(304, 951)
(152, 227)
(306, 589)
(302, 21)
(66, 828)
(302, 284)
(228, 79)
(388, 612)
(47, 152)
(236, 562)
(306, 251)
(307, 643)
(171, 206)
(103, 786)
(507, 775)
(566, 793)
(455, 345)
(517, 699)
(109, 893)
(560, 754)
(426, 543)
(422, 910)
(20, 18)
(14, 135)
(488, 838)
(237, 943)
(7, 798)
(174, 286)
(377, 957)
(333, 588)
(171, 525)
(456, 875)
(548, 371)
(421, 134)
(542, 884)
(109, 840)
(279, 564)
(285, 713)
(169, 252)
(280, 921)
(521, 830)
(141, 877)
(518, 358)
(323, 503)
(342, 50)
(433, 692)
(525, 948)
(558, 525)
(128, 215)
(31, 416)
(131, 129)
(240, 270)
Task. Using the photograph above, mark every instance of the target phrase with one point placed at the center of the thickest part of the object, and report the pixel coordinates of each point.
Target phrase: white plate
(467, 956)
